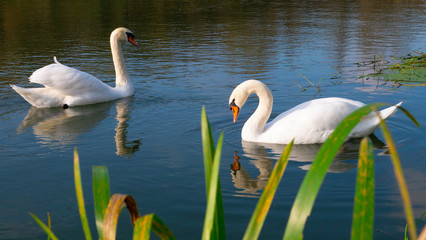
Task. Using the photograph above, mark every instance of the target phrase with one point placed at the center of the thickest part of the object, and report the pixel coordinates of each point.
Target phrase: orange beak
(235, 112)
(132, 41)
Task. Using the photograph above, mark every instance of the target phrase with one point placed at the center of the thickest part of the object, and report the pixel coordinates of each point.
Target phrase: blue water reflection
(56, 126)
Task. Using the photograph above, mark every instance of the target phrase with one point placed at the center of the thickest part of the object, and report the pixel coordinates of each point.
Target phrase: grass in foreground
(108, 208)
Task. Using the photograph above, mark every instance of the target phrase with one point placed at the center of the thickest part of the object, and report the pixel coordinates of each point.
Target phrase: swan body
(307, 123)
(65, 86)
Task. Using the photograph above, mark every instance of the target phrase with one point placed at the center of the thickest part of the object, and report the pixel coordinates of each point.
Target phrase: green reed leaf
(47, 229)
(264, 203)
(215, 217)
(80, 197)
(363, 215)
(208, 146)
(49, 224)
(212, 228)
(400, 179)
(410, 116)
(116, 202)
(145, 224)
(311, 184)
(101, 194)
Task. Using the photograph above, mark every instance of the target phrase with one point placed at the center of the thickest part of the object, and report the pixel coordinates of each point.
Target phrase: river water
(192, 54)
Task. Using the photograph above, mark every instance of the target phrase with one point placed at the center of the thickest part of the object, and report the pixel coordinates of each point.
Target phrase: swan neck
(256, 123)
(121, 75)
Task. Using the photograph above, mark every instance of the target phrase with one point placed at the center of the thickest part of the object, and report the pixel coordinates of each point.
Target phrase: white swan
(65, 86)
(307, 123)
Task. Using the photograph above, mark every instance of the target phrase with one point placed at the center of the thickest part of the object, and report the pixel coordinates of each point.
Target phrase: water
(193, 54)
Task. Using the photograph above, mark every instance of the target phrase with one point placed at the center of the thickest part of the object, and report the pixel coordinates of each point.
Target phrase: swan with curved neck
(65, 86)
(307, 123)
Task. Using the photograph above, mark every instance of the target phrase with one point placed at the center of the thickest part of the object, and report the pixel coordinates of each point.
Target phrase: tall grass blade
(47, 229)
(208, 145)
(262, 208)
(410, 116)
(145, 224)
(142, 230)
(49, 224)
(101, 195)
(80, 197)
(363, 215)
(217, 229)
(401, 180)
(311, 184)
(113, 211)
(211, 224)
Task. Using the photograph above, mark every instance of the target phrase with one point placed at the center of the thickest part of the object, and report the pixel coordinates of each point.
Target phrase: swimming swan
(65, 86)
(307, 123)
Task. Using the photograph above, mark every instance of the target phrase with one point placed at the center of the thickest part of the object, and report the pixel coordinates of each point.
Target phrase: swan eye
(130, 35)
(232, 104)
(131, 38)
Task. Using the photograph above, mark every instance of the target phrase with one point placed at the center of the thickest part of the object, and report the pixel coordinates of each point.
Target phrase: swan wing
(324, 113)
(310, 122)
(68, 81)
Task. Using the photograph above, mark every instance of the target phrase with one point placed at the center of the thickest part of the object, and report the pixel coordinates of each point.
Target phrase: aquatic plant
(407, 71)
(336, 79)
(312, 84)
(108, 208)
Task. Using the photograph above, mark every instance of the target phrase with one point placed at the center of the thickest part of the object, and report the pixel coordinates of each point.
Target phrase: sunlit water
(193, 54)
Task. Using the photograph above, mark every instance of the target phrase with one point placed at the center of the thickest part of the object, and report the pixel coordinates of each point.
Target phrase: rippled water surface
(192, 54)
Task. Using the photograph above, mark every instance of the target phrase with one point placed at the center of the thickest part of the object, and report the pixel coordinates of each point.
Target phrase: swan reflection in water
(263, 156)
(55, 126)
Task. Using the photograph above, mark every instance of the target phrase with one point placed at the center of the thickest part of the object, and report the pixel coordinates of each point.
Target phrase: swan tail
(39, 97)
(56, 60)
(371, 122)
(387, 112)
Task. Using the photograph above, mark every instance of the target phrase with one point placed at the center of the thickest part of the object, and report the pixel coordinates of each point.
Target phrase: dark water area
(193, 54)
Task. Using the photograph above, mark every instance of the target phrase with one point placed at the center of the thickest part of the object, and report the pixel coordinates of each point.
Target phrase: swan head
(240, 94)
(124, 35)
(244, 90)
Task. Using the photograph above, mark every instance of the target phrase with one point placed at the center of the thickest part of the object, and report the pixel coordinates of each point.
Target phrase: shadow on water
(263, 156)
(57, 126)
